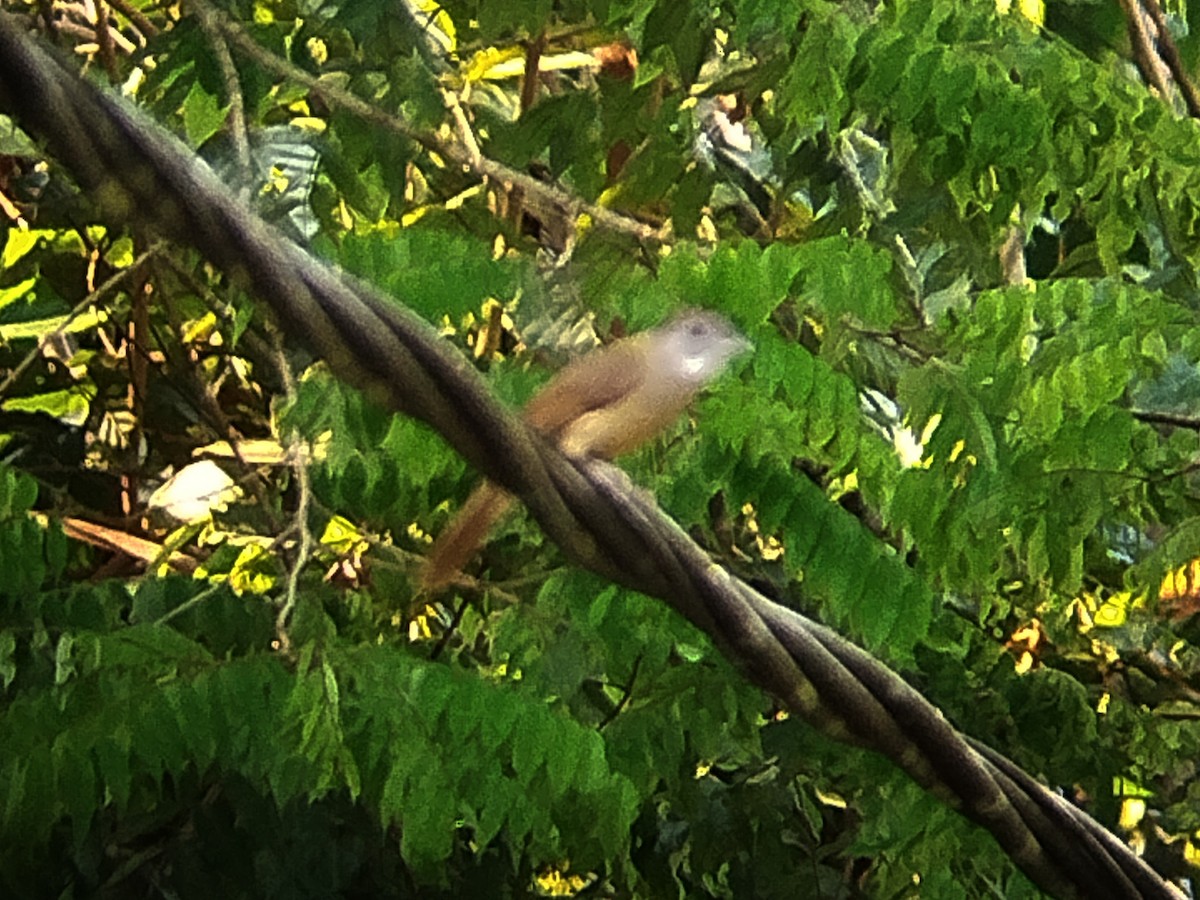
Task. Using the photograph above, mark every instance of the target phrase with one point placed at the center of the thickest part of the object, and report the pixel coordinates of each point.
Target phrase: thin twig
(49, 22)
(127, 545)
(1012, 256)
(529, 85)
(1177, 420)
(137, 357)
(13, 212)
(92, 298)
(233, 92)
(626, 697)
(205, 402)
(894, 338)
(299, 461)
(104, 40)
(1170, 55)
(569, 203)
(147, 28)
(304, 494)
(1148, 61)
(462, 126)
(86, 32)
(190, 604)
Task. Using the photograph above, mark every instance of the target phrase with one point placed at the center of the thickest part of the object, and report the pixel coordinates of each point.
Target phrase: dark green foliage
(30, 554)
(148, 701)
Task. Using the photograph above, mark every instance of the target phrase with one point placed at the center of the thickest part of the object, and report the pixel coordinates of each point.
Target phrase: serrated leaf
(427, 827)
(203, 115)
(75, 779)
(1037, 552)
(592, 770)
(496, 727)
(394, 799)
(463, 716)
(113, 756)
(529, 746)
(562, 760)
(8, 663)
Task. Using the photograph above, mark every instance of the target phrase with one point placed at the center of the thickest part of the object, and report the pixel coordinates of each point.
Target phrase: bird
(606, 403)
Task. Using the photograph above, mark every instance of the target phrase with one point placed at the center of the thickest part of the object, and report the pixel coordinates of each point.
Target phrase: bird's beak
(739, 345)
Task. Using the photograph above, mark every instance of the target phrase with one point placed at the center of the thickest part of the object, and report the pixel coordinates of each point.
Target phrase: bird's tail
(464, 535)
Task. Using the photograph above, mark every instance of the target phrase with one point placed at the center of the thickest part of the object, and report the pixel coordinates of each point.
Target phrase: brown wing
(595, 384)
(598, 379)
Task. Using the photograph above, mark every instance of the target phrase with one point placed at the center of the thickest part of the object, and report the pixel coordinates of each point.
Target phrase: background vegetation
(963, 240)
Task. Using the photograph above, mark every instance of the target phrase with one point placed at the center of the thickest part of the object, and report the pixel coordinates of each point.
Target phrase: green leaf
(427, 827)
(8, 663)
(203, 115)
(849, 278)
(113, 757)
(530, 746)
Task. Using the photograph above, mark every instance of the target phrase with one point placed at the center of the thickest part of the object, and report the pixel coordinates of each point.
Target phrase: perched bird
(605, 403)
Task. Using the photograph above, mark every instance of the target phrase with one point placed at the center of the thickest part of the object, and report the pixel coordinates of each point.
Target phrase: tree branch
(1169, 53)
(567, 203)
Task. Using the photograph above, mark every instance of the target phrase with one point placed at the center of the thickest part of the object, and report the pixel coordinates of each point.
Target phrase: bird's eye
(697, 329)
